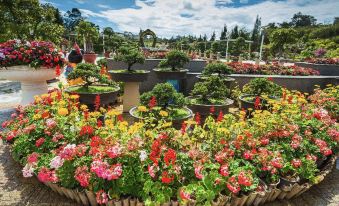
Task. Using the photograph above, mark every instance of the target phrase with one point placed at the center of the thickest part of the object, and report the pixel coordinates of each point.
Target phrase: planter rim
(116, 87)
(224, 77)
(131, 73)
(231, 101)
(170, 71)
(241, 97)
(135, 108)
(318, 64)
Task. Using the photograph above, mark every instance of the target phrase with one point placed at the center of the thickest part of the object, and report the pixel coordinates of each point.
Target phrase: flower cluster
(334, 61)
(35, 54)
(63, 142)
(271, 69)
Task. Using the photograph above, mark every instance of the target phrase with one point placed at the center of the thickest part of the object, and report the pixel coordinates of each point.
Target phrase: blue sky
(178, 17)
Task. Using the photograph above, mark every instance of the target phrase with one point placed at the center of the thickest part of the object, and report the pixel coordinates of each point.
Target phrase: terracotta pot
(129, 76)
(176, 123)
(33, 81)
(171, 75)
(90, 58)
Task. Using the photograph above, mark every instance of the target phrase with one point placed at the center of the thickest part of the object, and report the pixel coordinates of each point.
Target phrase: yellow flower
(74, 96)
(63, 111)
(37, 116)
(62, 103)
(113, 112)
(166, 124)
(142, 109)
(83, 107)
(163, 113)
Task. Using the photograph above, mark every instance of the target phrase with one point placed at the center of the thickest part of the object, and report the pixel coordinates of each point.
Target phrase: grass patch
(92, 89)
(137, 71)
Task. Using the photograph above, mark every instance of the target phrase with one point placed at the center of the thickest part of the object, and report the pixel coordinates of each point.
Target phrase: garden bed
(323, 69)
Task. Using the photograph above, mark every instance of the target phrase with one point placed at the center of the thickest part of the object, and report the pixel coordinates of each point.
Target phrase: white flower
(2, 55)
(56, 162)
(28, 170)
(143, 155)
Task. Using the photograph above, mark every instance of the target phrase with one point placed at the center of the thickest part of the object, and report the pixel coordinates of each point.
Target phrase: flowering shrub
(323, 60)
(328, 98)
(62, 142)
(271, 69)
(35, 54)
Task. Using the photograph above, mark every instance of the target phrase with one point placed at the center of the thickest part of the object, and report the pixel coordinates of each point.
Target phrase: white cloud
(103, 6)
(179, 17)
(80, 1)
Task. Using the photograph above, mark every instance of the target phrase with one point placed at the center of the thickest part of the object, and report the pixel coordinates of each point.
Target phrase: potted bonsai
(132, 78)
(30, 63)
(219, 69)
(172, 66)
(211, 93)
(163, 102)
(257, 91)
(88, 32)
(94, 85)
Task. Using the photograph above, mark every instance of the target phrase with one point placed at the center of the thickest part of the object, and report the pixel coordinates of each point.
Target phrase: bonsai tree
(217, 68)
(211, 91)
(88, 32)
(130, 55)
(175, 60)
(262, 86)
(165, 96)
(90, 74)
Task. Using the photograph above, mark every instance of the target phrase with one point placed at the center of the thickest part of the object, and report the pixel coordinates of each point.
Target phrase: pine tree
(223, 35)
(234, 32)
(213, 36)
(255, 37)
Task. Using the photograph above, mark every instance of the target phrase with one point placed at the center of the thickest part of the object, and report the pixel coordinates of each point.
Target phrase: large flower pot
(129, 76)
(74, 57)
(227, 80)
(106, 98)
(177, 123)
(246, 104)
(171, 75)
(204, 109)
(90, 58)
(33, 81)
(132, 81)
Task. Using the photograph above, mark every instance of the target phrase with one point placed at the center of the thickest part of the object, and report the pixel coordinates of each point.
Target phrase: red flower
(97, 102)
(197, 118)
(96, 141)
(86, 130)
(232, 185)
(39, 142)
(183, 128)
(184, 195)
(244, 179)
(197, 172)
(99, 123)
(82, 176)
(277, 162)
(257, 103)
(264, 141)
(248, 155)
(224, 170)
(101, 197)
(296, 163)
(57, 70)
(170, 157)
(153, 102)
(120, 118)
(220, 117)
(165, 178)
(32, 158)
(212, 109)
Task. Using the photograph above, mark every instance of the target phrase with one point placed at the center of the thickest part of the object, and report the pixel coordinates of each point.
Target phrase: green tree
(87, 34)
(234, 33)
(213, 36)
(300, 19)
(175, 60)
(255, 36)
(223, 35)
(131, 55)
(280, 37)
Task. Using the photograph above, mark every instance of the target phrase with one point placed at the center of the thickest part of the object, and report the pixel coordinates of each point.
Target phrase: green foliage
(262, 86)
(130, 55)
(165, 95)
(63, 172)
(90, 73)
(102, 62)
(87, 33)
(175, 60)
(280, 37)
(213, 88)
(217, 68)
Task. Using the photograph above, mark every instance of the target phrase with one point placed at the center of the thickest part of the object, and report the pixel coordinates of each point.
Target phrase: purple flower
(320, 52)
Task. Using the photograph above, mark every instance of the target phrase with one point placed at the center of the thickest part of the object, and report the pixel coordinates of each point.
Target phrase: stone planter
(176, 122)
(323, 69)
(90, 58)
(33, 81)
(132, 81)
(171, 75)
(106, 98)
(245, 104)
(204, 109)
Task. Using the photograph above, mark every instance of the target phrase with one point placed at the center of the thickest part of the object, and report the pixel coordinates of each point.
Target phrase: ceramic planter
(171, 75)
(33, 81)
(74, 57)
(176, 123)
(90, 58)
(106, 98)
(129, 76)
(204, 109)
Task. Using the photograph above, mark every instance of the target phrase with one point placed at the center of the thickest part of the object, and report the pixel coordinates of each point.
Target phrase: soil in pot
(129, 76)
(167, 73)
(108, 94)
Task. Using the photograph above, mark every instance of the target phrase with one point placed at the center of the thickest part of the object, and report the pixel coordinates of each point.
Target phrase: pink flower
(28, 170)
(39, 142)
(57, 136)
(56, 162)
(114, 151)
(46, 175)
(296, 163)
(101, 197)
(32, 158)
(184, 195)
(151, 170)
(51, 123)
(82, 176)
(197, 172)
(68, 152)
(224, 170)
